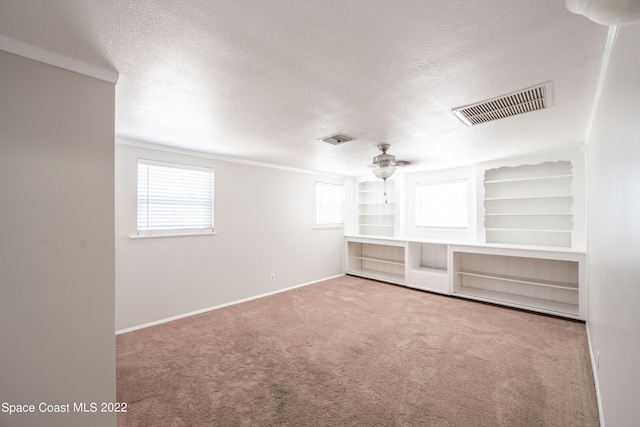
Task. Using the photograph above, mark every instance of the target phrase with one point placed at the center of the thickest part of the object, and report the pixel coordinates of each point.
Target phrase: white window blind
(442, 204)
(329, 204)
(174, 199)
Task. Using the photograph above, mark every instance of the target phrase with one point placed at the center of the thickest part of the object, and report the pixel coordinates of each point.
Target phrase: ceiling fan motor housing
(384, 160)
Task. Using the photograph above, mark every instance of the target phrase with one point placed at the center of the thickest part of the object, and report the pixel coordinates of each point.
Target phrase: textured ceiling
(267, 80)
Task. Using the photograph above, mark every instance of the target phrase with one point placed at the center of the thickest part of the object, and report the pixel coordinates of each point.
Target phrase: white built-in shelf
(514, 194)
(376, 211)
(374, 260)
(516, 279)
(561, 196)
(529, 230)
(529, 214)
(382, 260)
(542, 280)
(530, 178)
(376, 203)
(382, 275)
(427, 270)
(535, 280)
(520, 301)
(373, 190)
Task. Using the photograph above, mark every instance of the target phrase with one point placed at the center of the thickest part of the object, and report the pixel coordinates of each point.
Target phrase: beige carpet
(354, 352)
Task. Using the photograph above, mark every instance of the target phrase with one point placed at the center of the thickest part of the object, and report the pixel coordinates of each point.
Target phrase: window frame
(321, 225)
(177, 231)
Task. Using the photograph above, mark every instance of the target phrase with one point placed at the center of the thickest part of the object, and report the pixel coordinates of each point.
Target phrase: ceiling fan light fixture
(384, 172)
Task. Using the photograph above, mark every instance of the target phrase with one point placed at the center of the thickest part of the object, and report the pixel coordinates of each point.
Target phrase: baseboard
(594, 368)
(204, 310)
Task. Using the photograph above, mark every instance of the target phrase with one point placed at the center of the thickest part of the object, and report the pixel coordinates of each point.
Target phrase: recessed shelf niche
(548, 285)
(384, 261)
(529, 204)
(428, 266)
(376, 208)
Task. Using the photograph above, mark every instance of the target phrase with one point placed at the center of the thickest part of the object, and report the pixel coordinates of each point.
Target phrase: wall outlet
(273, 277)
(597, 360)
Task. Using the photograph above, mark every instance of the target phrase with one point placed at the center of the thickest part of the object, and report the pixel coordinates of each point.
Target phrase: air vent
(337, 139)
(523, 101)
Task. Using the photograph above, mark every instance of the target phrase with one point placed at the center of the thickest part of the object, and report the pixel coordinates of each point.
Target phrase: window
(442, 204)
(174, 199)
(329, 205)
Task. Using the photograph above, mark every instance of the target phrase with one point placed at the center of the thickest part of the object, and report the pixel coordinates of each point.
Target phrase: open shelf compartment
(381, 261)
(534, 283)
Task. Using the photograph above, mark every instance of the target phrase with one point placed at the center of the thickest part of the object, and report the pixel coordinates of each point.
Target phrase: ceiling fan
(386, 163)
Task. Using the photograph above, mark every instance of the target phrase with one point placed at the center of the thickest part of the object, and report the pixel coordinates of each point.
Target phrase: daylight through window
(442, 204)
(329, 205)
(174, 199)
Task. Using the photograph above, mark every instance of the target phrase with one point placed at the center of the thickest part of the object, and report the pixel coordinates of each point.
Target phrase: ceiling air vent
(522, 101)
(337, 139)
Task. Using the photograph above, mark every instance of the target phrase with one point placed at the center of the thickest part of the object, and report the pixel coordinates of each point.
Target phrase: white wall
(56, 242)
(264, 219)
(613, 171)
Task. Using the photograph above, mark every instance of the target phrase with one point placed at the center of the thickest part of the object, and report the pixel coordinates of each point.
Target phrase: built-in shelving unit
(380, 260)
(427, 266)
(529, 204)
(547, 281)
(376, 208)
(544, 281)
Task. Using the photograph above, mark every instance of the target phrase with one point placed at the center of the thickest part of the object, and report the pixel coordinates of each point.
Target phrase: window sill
(327, 227)
(155, 236)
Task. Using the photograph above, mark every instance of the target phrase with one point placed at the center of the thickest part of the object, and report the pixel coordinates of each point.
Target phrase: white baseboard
(204, 310)
(594, 368)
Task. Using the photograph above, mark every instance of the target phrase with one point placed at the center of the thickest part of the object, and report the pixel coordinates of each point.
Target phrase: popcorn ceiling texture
(266, 81)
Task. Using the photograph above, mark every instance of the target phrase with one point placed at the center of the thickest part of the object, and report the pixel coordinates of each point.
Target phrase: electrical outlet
(273, 277)
(597, 360)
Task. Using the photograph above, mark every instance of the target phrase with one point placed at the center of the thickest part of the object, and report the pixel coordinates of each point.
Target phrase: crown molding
(64, 62)
(125, 140)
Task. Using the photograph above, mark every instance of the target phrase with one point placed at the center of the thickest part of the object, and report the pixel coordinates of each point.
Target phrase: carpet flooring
(355, 352)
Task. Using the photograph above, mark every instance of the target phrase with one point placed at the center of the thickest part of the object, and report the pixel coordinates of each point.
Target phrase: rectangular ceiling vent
(522, 101)
(337, 139)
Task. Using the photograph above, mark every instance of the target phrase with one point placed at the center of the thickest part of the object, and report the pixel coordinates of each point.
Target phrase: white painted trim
(122, 140)
(64, 62)
(204, 310)
(594, 368)
(172, 234)
(604, 68)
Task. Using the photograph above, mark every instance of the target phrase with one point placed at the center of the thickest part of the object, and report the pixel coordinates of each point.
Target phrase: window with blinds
(329, 205)
(174, 199)
(442, 204)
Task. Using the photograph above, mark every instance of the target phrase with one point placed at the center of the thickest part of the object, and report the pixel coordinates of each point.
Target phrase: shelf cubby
(379, 260)
(428, 266)
(376, 208)
(533, 282)
(529, 204)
